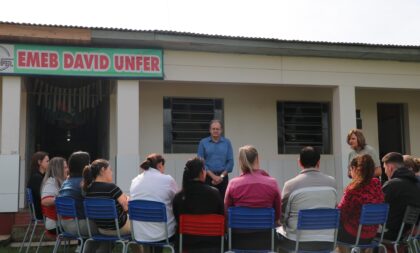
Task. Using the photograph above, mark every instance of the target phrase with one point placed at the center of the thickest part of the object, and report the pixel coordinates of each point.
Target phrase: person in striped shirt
(97, 183)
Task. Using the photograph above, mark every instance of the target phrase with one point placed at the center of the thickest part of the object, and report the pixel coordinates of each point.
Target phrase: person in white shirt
(153, 185)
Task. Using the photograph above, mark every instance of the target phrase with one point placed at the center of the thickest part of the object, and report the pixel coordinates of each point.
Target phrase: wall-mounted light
(68, 136)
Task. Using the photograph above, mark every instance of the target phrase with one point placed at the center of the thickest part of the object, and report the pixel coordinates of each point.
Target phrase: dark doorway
(391, 129)
(68, 114)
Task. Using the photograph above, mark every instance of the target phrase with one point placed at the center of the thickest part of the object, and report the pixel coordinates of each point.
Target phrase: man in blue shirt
(218, 156)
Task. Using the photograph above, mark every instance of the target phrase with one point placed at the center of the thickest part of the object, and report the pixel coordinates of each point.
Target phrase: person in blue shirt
(218, 156)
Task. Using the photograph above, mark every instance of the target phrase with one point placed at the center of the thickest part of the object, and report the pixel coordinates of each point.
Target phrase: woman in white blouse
(154, 185)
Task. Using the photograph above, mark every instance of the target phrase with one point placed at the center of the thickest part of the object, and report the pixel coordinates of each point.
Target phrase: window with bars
(186, 122)
(303, 124)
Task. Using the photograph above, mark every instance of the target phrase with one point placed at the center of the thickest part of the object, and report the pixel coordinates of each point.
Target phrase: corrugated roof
(202, 35)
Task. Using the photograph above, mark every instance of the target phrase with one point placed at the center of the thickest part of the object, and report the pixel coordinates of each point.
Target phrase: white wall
(250, 117)
(262, 69)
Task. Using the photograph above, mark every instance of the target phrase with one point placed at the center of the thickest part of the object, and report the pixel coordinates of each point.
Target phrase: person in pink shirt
(253, 188)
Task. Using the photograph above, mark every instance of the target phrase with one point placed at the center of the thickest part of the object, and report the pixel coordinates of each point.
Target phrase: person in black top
(39, 165)
(97, 183)
(400, 191)
(196, 197)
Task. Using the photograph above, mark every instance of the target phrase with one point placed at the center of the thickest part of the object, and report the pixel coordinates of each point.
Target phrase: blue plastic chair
(411, 216)
(246, 218)
(148, 211)
(96, 208)
(66, 208)
(371, 214)
(32, 223)
(318, 219)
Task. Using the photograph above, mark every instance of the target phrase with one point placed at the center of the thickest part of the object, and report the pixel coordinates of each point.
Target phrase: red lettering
(78, 62)
(33, 59)
(96, 62)
(68, 60)
(155, 64)
(54, 60)
(129, 63)
(21, 58)
(139, 62)
(103, 62)
(118, 62)
(88, 60)
(44, 59)
(146, 66)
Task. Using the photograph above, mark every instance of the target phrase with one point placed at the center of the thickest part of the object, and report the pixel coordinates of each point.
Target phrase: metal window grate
(303, 124)
(186, 122)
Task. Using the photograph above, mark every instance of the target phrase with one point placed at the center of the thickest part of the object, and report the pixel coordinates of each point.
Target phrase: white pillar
(344, 119)
(128, 142)
(9, 158)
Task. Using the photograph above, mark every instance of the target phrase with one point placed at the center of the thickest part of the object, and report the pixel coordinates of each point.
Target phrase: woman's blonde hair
(247, 156)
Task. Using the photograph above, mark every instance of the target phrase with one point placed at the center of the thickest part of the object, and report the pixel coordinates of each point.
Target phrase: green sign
(81, 61)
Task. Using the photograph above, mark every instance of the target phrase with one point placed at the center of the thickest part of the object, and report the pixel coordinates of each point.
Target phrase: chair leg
(40, 241)
(32, 236)
(396, 247)
(57, 244)
(384, 247)
(24, 238)
(171, 248)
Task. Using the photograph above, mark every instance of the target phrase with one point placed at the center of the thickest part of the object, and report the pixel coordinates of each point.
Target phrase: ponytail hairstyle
(247, 156)
(152, 161)
(192, 171)
(56, 171)
(92, 171)
(364, 167)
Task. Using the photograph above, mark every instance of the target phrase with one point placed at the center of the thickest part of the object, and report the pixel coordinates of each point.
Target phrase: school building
(122, 94)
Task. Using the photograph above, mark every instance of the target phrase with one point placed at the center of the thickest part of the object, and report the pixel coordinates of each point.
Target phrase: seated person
(97, 183)
(310, 189)
(197, 197)
(253, 188)
(72, 188)
(363, 189)
(152, 184)
(401, 190)
(54, 177)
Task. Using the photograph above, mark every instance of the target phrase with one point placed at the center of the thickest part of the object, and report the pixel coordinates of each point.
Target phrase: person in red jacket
(363, 189)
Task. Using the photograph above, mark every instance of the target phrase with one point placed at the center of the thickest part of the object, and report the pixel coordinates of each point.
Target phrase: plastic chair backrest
(250, 218)
(96, 208)
(374, 214)
(318, 219)
(411, 217)
(203, 225)
(147, 210)
(66, 207)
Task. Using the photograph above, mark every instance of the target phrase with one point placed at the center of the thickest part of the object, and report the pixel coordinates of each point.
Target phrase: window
(303, 124)
(186, 122)
(358, 120)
